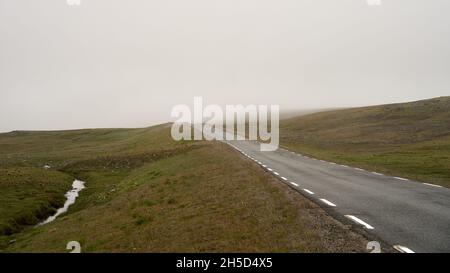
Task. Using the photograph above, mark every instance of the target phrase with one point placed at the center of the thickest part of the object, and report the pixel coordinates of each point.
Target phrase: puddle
(71, 196)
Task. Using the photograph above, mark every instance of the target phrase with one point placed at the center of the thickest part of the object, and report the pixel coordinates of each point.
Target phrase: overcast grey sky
(118, 63)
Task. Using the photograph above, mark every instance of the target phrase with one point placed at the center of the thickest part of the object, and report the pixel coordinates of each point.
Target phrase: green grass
(407, 139)
(29, 195)
(203, 200)
(62, 148)
(146, 193)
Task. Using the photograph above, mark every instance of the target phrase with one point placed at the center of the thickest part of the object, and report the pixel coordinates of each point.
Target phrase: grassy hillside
(28, 195)
(406, 139)
(61, 148)
(147, 193)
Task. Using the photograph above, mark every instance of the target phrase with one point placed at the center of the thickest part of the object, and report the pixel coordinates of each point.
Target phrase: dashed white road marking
(327, 202)
(400, 178)
(433, 185)
(359, 221)
(403, 249)
(399, 248)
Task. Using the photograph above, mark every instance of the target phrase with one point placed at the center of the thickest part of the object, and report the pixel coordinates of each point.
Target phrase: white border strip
(359, 221)
(403, 249)
(401, 178)
(327, 202)
(433, 185)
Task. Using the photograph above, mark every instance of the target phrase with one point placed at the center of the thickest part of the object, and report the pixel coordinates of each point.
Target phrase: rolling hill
(147, 193)
(404, 139)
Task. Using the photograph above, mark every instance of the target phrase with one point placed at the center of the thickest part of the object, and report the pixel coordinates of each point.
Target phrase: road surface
(410, 216)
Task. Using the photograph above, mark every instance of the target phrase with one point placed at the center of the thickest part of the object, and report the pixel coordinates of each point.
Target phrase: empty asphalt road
(411, 216)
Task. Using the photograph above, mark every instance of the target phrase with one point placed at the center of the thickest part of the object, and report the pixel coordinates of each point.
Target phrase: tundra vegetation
(410, 140)
(146, 192)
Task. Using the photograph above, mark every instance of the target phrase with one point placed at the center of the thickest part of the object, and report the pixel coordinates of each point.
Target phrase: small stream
(71, 196)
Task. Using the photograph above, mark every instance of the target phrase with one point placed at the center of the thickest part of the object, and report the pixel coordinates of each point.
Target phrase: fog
(117, 63)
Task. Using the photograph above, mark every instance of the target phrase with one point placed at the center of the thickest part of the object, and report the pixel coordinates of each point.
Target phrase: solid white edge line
(359, 221)
(327, 202)
(403, 249)
(433, 185)
(295, 184)
(308, 191)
